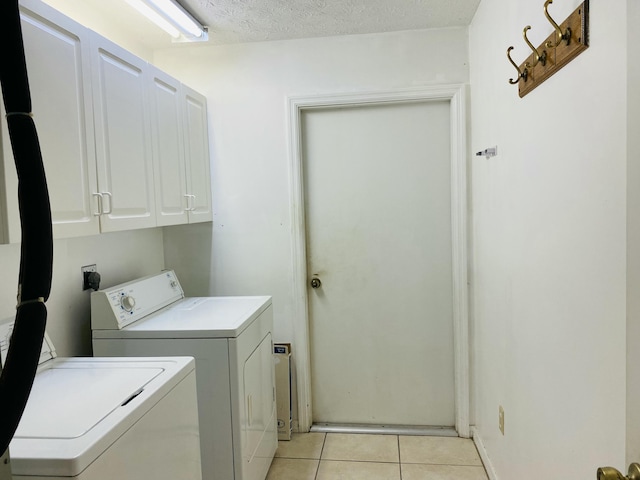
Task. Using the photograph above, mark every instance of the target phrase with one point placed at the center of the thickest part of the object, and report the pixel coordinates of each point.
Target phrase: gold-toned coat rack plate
(568, 40)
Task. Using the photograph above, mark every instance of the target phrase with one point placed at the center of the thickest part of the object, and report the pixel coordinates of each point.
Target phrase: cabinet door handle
(108, 194)
(190, 207)
(99, 204)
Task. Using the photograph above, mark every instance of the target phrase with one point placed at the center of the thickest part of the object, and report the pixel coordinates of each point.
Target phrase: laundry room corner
(247, 87)
(188, 251)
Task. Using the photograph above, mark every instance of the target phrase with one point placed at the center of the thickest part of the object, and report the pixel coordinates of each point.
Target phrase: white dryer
(230, 337)
(107, 418)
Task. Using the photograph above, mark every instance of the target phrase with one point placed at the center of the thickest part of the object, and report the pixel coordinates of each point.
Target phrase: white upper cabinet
(168, 149)
(180, 152)
(197, 154)
(123, 137)
(124, 145)
(58, 67)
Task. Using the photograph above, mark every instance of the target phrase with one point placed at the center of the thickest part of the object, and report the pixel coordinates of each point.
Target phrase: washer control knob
(128, 302)
(173, 284)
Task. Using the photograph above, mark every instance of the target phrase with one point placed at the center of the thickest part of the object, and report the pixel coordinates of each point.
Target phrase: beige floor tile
(293, 469)
(364, 448)
(438, 450)
(302, 445)
(442, 472)
(340, 470)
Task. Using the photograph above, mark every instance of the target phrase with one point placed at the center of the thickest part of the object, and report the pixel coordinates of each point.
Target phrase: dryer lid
(196, 317)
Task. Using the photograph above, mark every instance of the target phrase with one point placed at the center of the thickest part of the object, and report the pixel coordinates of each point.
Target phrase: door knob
(315, 282)
(610, 473)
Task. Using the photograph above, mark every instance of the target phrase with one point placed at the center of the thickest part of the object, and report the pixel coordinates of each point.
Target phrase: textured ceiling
(240, 21)
(236, 21)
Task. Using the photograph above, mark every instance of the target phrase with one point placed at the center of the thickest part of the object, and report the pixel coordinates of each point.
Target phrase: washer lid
(67, 403)
(81, 406)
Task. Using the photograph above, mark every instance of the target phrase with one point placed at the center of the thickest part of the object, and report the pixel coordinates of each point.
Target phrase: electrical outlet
(86, 270)
(501, 419)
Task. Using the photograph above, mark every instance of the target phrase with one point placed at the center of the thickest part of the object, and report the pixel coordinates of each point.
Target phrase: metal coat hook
(522, 74)
(539, 58)
(566, 36)
(567, 40)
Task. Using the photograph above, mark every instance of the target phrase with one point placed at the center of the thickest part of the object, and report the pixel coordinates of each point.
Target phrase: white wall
(549, 233)
(119, 257)
(246, 87)
(633, 234)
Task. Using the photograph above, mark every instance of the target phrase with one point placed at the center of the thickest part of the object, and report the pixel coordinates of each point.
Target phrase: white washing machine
(230, 337)
(107, 418)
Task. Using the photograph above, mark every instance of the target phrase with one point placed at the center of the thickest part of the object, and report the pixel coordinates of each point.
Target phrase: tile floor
(336, 456)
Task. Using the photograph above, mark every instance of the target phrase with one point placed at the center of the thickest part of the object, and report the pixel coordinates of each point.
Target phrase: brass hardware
(539, 58)
(566, 36)
(610, 473)
(522, 74)
(552, 52)
(315, 282)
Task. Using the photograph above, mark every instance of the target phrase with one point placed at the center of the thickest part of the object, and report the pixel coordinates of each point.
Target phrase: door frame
(297, 105)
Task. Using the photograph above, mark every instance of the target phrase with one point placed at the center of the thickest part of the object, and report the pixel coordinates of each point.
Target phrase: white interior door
(378, 219)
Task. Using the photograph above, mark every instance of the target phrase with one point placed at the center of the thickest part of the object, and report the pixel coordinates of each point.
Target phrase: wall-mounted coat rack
(568, 40)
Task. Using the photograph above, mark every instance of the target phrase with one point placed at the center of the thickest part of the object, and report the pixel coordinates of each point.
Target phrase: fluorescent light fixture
(155, 17)
(172, 18)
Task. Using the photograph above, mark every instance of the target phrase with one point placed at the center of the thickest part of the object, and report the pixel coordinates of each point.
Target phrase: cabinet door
(123, 137)
(168, 149)
(58, 65)
(196, 136)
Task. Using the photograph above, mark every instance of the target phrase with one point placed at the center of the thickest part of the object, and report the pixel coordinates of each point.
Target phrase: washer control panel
(127, 302)
(123, 304)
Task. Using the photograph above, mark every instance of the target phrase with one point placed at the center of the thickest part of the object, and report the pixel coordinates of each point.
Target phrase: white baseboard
(477, 439)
